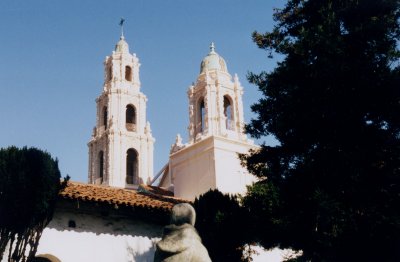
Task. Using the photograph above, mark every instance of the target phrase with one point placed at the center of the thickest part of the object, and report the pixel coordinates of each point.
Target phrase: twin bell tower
(121, 146)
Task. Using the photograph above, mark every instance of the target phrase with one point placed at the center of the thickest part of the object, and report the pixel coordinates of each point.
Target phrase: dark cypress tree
(29, 187)
(331, 188)
(221, 223)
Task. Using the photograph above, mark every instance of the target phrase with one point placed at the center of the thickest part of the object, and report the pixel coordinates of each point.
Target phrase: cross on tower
(121, 23)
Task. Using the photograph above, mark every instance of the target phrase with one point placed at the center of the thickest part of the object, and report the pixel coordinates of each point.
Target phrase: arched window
(228, 113)
(45, 258)
(72, 223)
(202, 115)
(105, 116)
(130, 117)
(128, 73)
(40, 259)
(101, 165)
(132, 177)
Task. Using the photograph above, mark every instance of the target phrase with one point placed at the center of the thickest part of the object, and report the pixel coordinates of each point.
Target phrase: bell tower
(215, 102)
(210, 158)
(121, 146)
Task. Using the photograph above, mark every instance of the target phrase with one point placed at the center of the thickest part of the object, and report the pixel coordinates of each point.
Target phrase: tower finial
(121, 23)
(212, 47)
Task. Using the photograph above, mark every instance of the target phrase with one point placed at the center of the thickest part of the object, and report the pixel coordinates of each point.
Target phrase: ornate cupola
(121, 146)
(213, 62)
(215, 101)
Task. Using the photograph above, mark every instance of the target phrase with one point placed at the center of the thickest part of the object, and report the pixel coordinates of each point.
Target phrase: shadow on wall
(133, 256)
(103, 224)
(98, 234)
(90, 244)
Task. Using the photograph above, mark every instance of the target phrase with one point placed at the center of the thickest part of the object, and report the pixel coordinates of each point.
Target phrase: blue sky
(51, 67)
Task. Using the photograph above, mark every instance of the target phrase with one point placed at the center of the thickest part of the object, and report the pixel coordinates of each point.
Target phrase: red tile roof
(118, 196)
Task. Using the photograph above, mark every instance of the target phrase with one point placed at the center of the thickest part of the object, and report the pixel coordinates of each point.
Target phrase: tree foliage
(29, 186)
(331, 188)
(221, 223)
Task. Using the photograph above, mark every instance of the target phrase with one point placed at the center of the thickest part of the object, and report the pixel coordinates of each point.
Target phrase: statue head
(183, 213)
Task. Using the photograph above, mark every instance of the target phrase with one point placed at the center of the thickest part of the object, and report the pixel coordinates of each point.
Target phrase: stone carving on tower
(121, 146)
(210, 158)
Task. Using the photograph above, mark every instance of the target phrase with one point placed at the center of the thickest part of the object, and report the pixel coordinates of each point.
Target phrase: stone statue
(180, 241)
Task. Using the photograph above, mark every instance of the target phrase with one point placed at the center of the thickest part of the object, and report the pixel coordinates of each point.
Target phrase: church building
(120, 213)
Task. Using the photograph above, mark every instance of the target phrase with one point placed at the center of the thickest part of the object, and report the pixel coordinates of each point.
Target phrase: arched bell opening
(132, 176)
(104, 117)
(228, 113)
(100, 161)
(128, 73)
(201, 116)
(130, 118)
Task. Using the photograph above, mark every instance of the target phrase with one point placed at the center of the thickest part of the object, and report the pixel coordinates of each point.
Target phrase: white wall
(231, 176)
(209, 164)
(273, 255)
(99, 238)
(193, 169)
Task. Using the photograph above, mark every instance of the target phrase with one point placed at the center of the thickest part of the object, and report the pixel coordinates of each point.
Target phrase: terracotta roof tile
(119, 196)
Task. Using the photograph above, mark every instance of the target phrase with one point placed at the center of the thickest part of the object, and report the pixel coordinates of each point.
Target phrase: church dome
(122, 46)
(213, 61)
